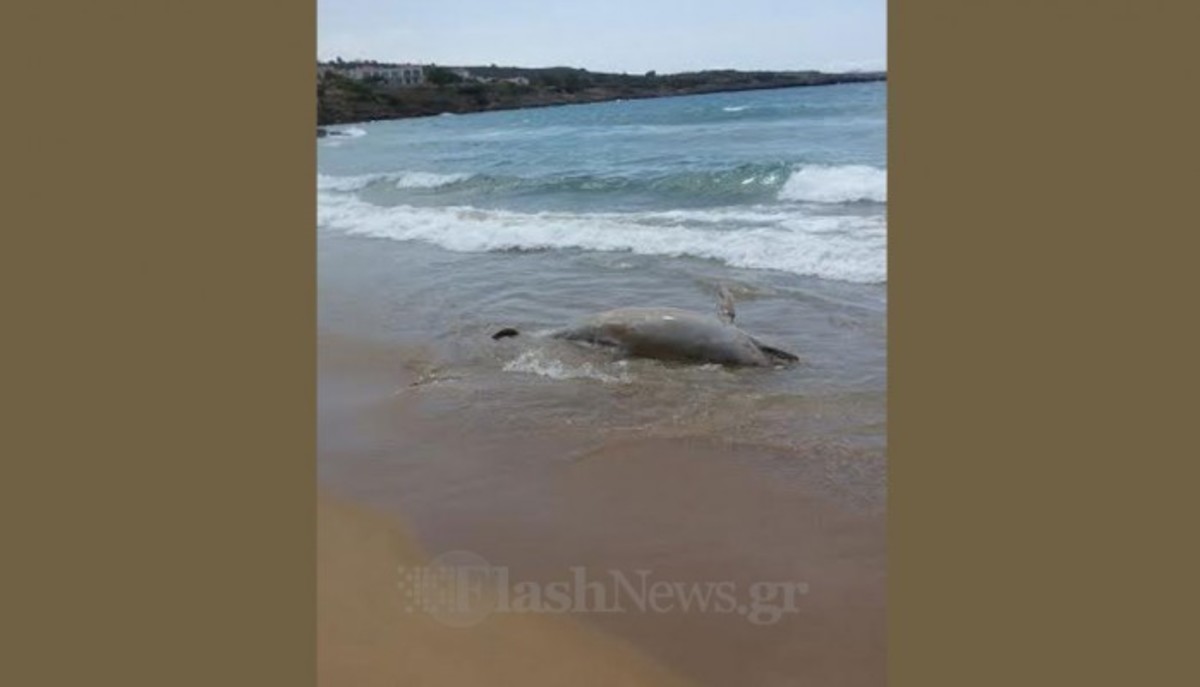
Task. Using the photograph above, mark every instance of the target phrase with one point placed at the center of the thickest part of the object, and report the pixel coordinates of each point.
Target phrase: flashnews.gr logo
(461, 588)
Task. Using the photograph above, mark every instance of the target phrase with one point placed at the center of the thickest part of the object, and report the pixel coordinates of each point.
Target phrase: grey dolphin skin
(673, 334)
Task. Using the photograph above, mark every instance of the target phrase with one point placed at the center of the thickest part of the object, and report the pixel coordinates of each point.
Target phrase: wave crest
(780, 181)
(401, 180)
(843, 247)
(428, 179)
(836, 184)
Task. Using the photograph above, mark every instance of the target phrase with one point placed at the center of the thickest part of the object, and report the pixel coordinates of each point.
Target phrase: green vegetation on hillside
(341, 99)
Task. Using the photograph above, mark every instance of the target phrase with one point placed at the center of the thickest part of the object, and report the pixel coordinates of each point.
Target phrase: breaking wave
(836, 184)
(842, 247)
(428, 179)
(774, 181)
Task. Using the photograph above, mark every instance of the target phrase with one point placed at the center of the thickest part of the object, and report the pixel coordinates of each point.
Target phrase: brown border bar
(1037, 166)
(159, 283)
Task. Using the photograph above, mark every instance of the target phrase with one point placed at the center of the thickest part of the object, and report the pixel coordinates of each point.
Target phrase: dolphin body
(673, 334)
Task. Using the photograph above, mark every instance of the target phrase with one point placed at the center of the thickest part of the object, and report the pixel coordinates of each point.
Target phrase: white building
(404, 74)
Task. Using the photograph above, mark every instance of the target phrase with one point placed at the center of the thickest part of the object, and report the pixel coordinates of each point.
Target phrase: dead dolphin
(673, 334)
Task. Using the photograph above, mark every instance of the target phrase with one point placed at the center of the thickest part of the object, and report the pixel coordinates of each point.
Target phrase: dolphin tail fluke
(725, 309)
(777, 353)
(780, 353)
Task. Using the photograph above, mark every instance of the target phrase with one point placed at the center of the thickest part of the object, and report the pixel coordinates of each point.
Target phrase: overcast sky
(632, 36)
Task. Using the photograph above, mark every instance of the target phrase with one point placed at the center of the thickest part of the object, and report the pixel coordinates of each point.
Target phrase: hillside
(343, 100)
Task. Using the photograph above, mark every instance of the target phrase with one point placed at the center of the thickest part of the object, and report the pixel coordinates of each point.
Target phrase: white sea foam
(338, 136)
(346, 184)
(844, 247)
(737, 108)
(329, 182)
(836, 184)
(427, 179)
(534, 362)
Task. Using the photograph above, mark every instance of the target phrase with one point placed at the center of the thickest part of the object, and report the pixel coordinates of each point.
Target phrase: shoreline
(584, 98)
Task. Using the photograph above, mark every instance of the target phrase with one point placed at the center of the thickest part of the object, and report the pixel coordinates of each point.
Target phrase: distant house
(466, 75)
(402, 74)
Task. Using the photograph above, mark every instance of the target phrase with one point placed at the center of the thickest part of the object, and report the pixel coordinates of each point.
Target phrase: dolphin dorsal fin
(725, 304)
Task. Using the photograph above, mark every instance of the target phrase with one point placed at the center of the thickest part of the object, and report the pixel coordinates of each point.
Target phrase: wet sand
(365, 638)
(691, 505)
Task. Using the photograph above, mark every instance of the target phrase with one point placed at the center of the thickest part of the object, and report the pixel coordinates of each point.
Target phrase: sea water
(433, 233)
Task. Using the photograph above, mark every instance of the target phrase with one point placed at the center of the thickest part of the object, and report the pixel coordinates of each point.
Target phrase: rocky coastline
(341, 100)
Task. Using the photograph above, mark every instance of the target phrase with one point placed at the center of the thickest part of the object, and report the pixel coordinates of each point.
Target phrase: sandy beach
(692, 509)
(365, 638)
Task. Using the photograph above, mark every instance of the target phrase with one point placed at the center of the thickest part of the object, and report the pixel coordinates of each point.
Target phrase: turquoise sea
(435, 232)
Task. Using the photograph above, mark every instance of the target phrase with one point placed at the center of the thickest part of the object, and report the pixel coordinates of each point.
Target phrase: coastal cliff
(342, 100)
